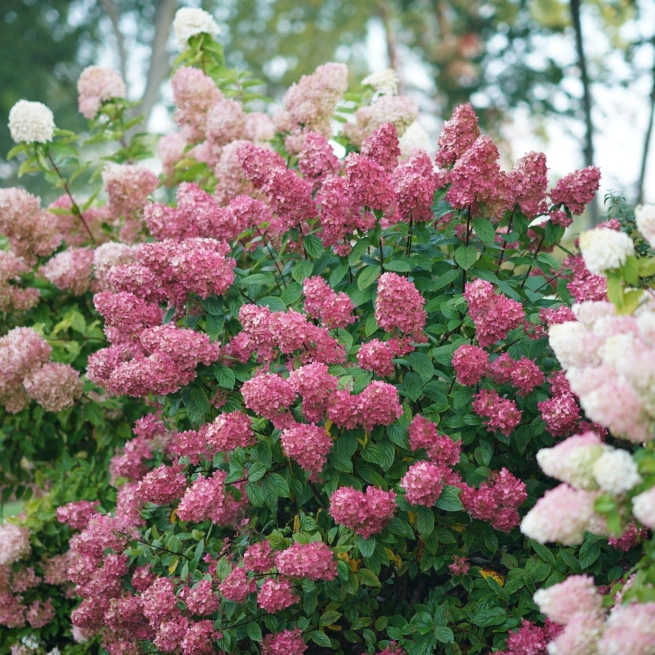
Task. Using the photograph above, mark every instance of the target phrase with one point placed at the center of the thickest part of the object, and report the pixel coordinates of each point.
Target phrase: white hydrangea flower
(645, 218)
(590, 311)
(14, 543)
(415, 138)
(574, 345)
(603, 249)
(643, 507)
(571, 463)
(384, 82)
(189, 22)
(616, 472)
(646, 325)
(31, 122)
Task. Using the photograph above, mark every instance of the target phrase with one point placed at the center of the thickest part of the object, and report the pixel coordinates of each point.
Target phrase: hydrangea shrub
(354, 367)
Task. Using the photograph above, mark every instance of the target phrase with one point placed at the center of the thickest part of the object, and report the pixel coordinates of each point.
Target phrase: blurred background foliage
(538, 56)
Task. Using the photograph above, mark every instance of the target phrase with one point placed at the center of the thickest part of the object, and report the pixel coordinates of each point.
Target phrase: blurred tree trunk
(114, 14)
(384, 11)
(588, 149)
(647, 140)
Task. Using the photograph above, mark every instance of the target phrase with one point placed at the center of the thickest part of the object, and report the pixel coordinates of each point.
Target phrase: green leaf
(328, 618)
(449, 500)
(615, 288)
(280, 485)
(224, 376)
(444, 635)
(413, 385)
(396, 526)
(543, 552)
(485, 617)
(398, 266)
(275, 304)
(198, 405)
(589, 553)
(320, 638)
(630, 271)
(424, 521)
(422, 364)
(646, 267)
(367, 276)
(254, 631)
(366, 546)
(255, 494)
(302, 270)
(291, 293)
(484, 229)
(338, 274)
(367, 577)
(445, 279)
(265, 279)
(466, 256)
(313, 246)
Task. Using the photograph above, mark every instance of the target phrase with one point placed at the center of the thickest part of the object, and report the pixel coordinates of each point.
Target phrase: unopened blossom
(309, 445)
(423, 483)
(384, 81)
(365, 513)
(128, 186)
(572, 460)
(276, 595)
(645, 219)
(604, 249)
(577, 593)
(457, 135)
(70, 270)
(494, 314)
(562, 515)
(31, 122)
(188, 22)
(14, 543)
(287, 642)
(470, 364)
(615, 471)
(96, 85)
(258, 557)
(314, 561)
(577, 189)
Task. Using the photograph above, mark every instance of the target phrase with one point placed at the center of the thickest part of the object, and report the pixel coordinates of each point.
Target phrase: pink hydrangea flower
(230, 431)
(258, 558)
(317, 159)
(268, 394)
(335, 310)
(276, 595)
(423, 483)
(494, 315)
(399, 306)
(382, 147)
(78, 514)
(314, 561)
(529, 179)
(202, 600)
(236, 586)
(577, 189)
(309, 445)
(459, 565)
(162, 485)
(470, 364)
(160, 602)
(376, 356)
(70, 270)
(96, 85)
(287, 642)
(577, 593)
(39, 614)
(369, 184)
(365, 513)
(441, 449)
(378, 404)
(315, 386)
(457, 135)
(54, 386)
(194, 93)
(415, 183)
(128, 187)
(500, 414)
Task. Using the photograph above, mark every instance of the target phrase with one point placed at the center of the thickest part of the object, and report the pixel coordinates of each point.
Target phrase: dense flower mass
(348, 357)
